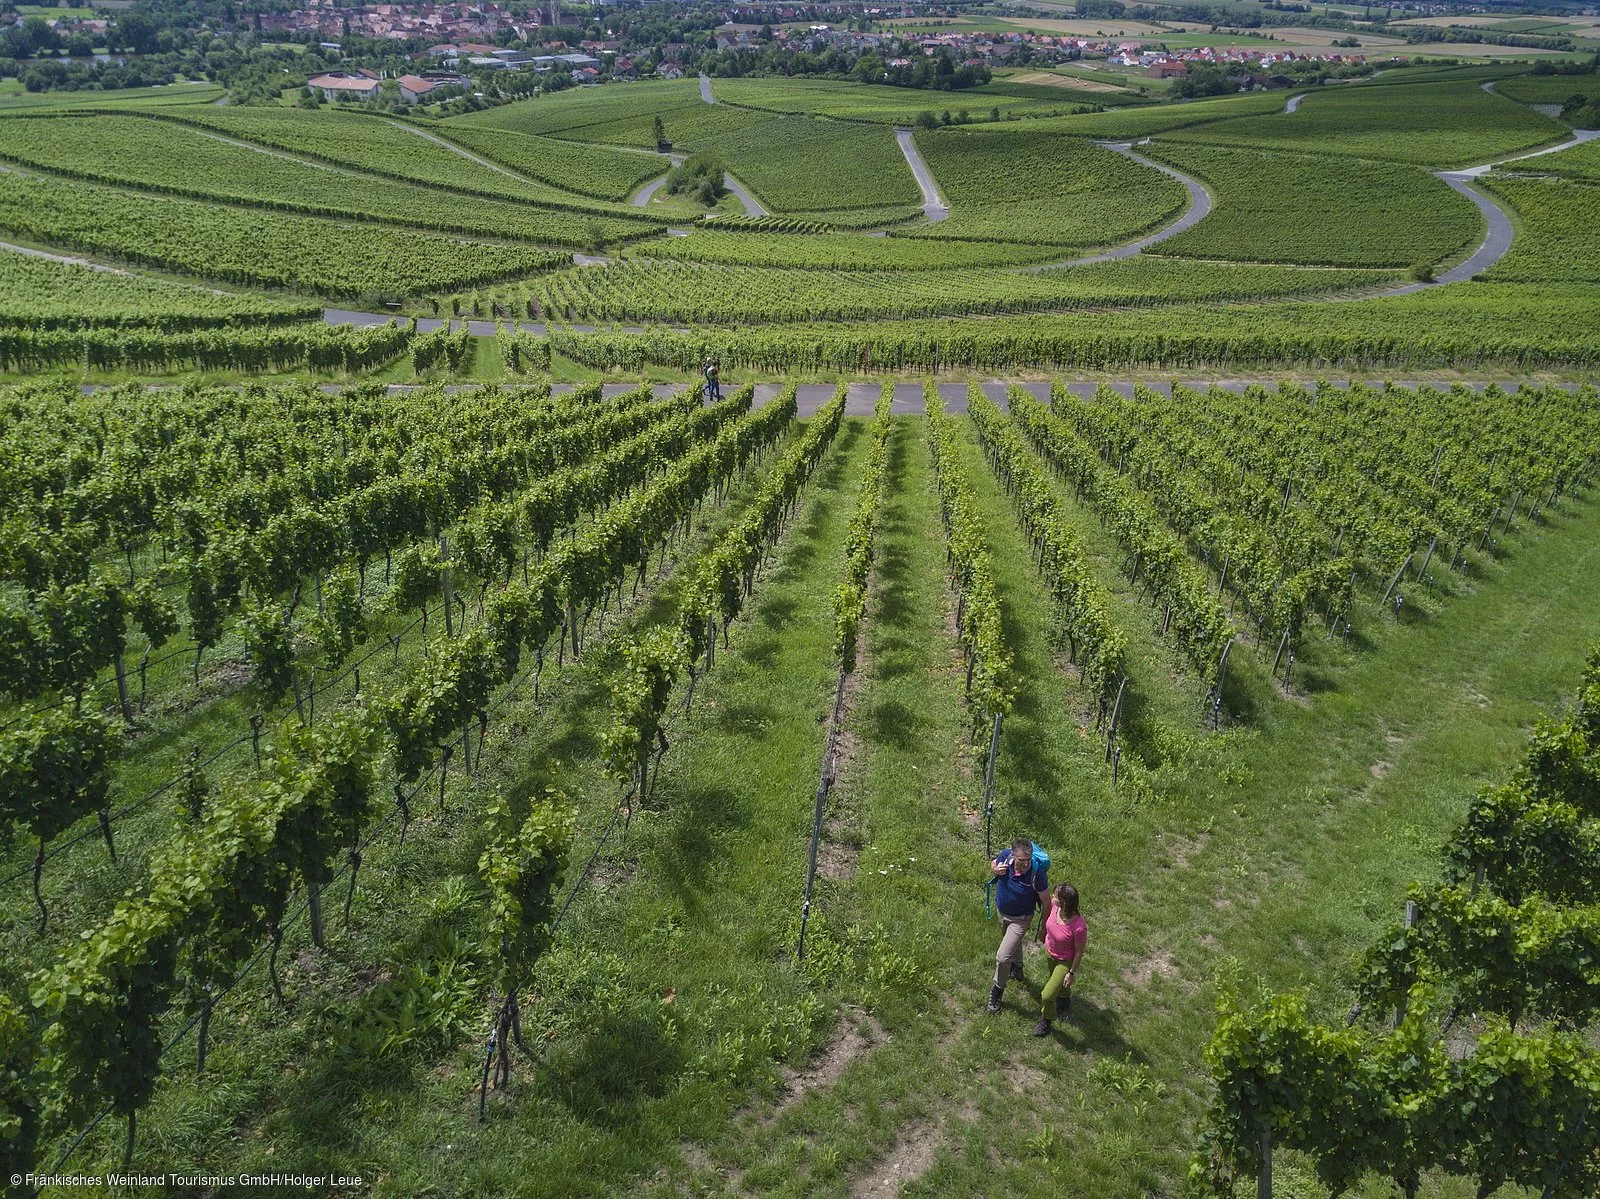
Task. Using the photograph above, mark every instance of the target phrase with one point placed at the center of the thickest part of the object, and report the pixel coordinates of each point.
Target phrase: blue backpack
(1041, 861)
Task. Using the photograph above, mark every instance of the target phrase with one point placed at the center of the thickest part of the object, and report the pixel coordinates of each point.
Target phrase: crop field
(573, 168)
(625, 118)
(1274, 207)
(1075, 193)
(1495, 326)
(1548, 89)
(1580, 162)
(373, 144)
(882, 104)
(445, 739)
(1555, 242)
(1434, 125)
(561, 113)
(36, 293)
(804, 164)
(655, 290)
(843, 251)
(254, 248)
(1123, 123)
(165, 157)
(1101, 546)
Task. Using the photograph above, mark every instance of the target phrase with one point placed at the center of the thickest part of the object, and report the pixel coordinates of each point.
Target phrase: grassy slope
(1226, 866)
(1266, 853)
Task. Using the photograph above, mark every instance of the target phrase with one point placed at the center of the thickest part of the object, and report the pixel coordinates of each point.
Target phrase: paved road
(705, 90)
(751, 207)
(1501, 233)
(933, 204)
(646, 193)
(1199, 208)
(1293, 102)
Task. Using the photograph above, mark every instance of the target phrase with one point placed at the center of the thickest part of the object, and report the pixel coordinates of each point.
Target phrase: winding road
(752, 206)
(1496, 244)
(933, 205)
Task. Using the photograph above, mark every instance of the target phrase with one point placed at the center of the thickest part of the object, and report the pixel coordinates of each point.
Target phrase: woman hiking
(1065, 935)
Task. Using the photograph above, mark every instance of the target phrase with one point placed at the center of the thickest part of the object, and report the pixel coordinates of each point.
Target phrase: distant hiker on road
(713, 381)
(1064, 935)
(1021, 885)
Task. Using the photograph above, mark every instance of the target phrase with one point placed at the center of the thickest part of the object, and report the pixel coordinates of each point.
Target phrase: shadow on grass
(605, 1078)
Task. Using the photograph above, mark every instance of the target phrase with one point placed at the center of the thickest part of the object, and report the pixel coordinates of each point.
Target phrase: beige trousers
(1013, 930)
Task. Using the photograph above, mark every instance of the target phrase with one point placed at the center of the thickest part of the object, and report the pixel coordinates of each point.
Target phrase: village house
(360, 84)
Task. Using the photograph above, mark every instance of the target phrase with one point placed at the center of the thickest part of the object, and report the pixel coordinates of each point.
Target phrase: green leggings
(1058, 977)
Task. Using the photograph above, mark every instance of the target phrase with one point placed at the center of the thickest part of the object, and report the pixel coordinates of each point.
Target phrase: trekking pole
(988, 787)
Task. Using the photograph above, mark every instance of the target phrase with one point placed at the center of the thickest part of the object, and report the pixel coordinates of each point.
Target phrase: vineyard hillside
(556, 564)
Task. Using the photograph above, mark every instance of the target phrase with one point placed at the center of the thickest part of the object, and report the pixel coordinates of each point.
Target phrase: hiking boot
(1042, 1029)
(1016, 971)
(994, 999)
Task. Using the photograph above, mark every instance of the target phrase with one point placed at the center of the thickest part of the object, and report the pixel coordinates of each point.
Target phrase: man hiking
(1020, 887)
(713, 381)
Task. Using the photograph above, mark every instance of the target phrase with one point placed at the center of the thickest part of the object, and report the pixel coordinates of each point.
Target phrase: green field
(1015, 183)
(1549, 89)
(883, 105)
(253, 248)
(163, 156)
(802, 164)
(574, 169)
(423, 738)
(1555, 221)
(40, 294)
(837, 251)
(658, 291)
(1272, 207)
(1580, 162)
(1435, 125)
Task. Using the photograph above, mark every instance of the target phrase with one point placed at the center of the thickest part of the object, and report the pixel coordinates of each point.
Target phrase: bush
(699, 176)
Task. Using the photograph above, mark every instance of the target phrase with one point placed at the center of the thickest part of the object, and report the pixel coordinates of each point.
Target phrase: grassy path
(1260, 857)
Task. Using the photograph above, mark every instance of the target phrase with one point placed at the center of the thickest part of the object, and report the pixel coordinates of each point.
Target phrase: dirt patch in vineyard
(1066, 82)
(856, 1035)
(1178, 851)
(1147, 969)
(1378, 769)
(908, 1159)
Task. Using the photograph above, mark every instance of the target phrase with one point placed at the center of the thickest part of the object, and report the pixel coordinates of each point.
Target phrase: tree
(926, 120)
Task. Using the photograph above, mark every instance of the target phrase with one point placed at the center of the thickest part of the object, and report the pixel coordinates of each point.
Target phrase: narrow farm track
(467, 154)
(934, 206)
(705, 90)
(645, 194)
(751, 206)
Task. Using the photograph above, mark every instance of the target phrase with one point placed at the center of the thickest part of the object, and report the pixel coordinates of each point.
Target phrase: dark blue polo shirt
(1017, 894)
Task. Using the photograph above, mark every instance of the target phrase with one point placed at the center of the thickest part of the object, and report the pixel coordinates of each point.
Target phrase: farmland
(1079, 194)
(803, 164)
(165, 157)
(252, 248)
(1580, 162)
(441, 742)
(1337, 211)
(1553, 243)
(1436, 125)
(654, 290)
